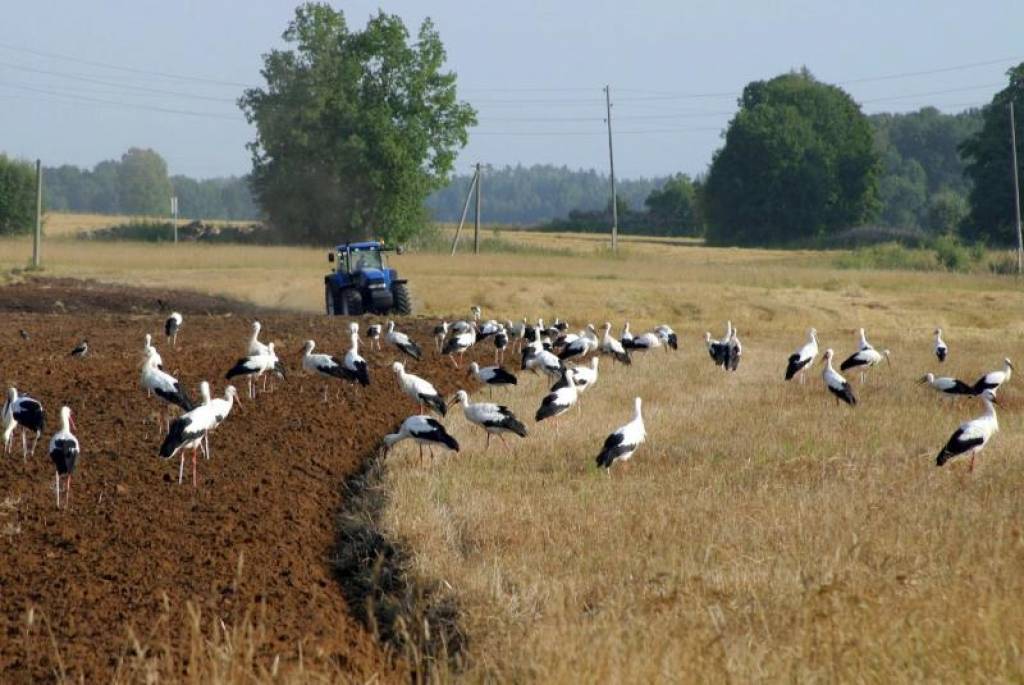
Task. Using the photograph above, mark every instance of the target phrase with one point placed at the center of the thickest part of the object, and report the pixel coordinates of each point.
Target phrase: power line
(132, 105)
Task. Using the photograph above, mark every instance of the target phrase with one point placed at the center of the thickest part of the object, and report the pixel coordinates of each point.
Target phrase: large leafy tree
(989, 166)
(798, 163)
(142, 182)
(17, 196)
(672, 209)
(354, 128)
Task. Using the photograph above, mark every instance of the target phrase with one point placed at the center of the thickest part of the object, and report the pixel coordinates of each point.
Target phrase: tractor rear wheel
(403, 301)
(352, 302)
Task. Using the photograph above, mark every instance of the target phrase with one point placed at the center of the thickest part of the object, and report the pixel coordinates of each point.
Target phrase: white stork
(835, 383)
(581, 346)
(994, 379)
(542, 360)
(254, 367)
(81, 350)
(585, 377)
(440, 333)
(644, 342)
(561, 399)
(500, 344)
(26, 412)
(487, 329)
(356, 368)
(164, 386)
(865, 357)
(495, 419)
(64, 452)
(459, 343)
(187, 432)
(610, 345)
(518, 333)
(403, 342)
(627, 337)
(802, 358)
(255, 347)
(492, 376)
(146, 347)
(171, 326)
(423, 430)
(325, 366)
(972, 436)
(941, 349)
(623, 443)
(373, 332)
(950, 387)
(668, 336)
(419, 390)
(733, 351)
(717, 349)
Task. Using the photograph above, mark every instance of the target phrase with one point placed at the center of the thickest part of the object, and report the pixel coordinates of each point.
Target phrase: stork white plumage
(949, 387)
(324, 366)
(24, 412)
(500, 344)
(802, 358)
(585, 377)
(171, 326)
(356, 368)
(495, 419)
(941, 349)
(147, 346)
(458, 343)
(440, 333)
(487, 329)
(424, 431)
(403, 342)
(561, 399)
(733, 351)
(165, 386)
(993, 380)
(835, 383)
(613, 347)
(517, 332)
(419, 390)
(205, 397)
(972, 436)
(373, 332)
(718, 350)
(186, 433)
(81, 350)
(252, 368)
(668, 336)
(255, 347)
(537, 359)
(644, 342)
(626, 338)
(622, 444)
(221, 407)
(862, 341)
(492, 376)
(581, 346)
(64, 452)
(865, 358)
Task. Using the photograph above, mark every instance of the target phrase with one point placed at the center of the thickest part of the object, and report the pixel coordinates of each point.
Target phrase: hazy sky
(533, 69)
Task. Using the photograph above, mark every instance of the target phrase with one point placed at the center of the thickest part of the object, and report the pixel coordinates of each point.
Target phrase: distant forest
(921, 169)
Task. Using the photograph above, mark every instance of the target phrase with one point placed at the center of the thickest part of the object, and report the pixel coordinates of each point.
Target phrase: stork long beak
(922, 379)
(452, 402)
(71, 419)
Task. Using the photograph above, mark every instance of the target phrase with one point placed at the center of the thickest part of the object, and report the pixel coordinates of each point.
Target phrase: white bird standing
(495, 419)
(733, 352)
(585, 376)
(26, 412)
(187, 432)
(668, 336)
(459, 343)
(492, 376)
(941, 349)
(972, 436)
(403, 342)
(623, 443)
(147, 347)
(717, 349)
(561, 399)
(802, 358)
(373, 332)
(254, 367)
(440, 333)
(500, 344)
(836, 384)
(423, 430)
(581, 346)
(644, 342)
(356, 368)
(993, 380)
(951, 387)
(255, 347)
(221, 407)
(81, 350)
(865, 358)
(419, 390)
(326, 366)
(171, 326)
(64, 452)
(164, 386)
(610, 345)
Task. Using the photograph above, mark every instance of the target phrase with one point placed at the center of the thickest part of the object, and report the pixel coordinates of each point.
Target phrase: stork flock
(568, 359)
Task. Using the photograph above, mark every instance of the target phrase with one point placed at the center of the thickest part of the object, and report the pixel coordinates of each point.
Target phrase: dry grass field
(71, 224)
(762, 533)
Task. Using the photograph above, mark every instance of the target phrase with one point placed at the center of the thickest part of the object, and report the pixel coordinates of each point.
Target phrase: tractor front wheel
(329, 299)
(352, 302)
(403, 301)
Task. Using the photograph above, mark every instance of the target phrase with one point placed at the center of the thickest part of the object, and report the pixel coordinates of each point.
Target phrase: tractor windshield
(364, 259)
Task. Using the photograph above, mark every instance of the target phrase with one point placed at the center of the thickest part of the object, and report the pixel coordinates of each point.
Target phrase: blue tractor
(362, 282)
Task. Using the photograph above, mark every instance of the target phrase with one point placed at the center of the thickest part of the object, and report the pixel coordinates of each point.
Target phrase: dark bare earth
(136, 547)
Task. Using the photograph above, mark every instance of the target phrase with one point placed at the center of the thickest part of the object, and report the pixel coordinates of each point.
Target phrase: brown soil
(135, 546)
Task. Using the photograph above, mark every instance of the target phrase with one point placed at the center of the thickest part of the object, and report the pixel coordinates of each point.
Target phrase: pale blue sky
(533, 69)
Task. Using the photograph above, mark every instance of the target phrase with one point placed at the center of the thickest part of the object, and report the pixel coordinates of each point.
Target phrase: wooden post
(37, 239)
(476, 222)
(611, 169)
(465, 211)
(1016, 191)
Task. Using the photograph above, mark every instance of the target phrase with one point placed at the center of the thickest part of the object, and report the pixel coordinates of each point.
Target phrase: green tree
(17, 196)
(946, 212)
(989, 166)
(354, 128)
(143, 185)
(672, 208)
(798, 163)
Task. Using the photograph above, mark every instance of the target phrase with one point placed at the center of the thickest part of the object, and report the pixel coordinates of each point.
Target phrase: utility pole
(611, 165)
(37, 239)
(1016, 191)
(476, 223)
(174, 216)
(465, 211)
